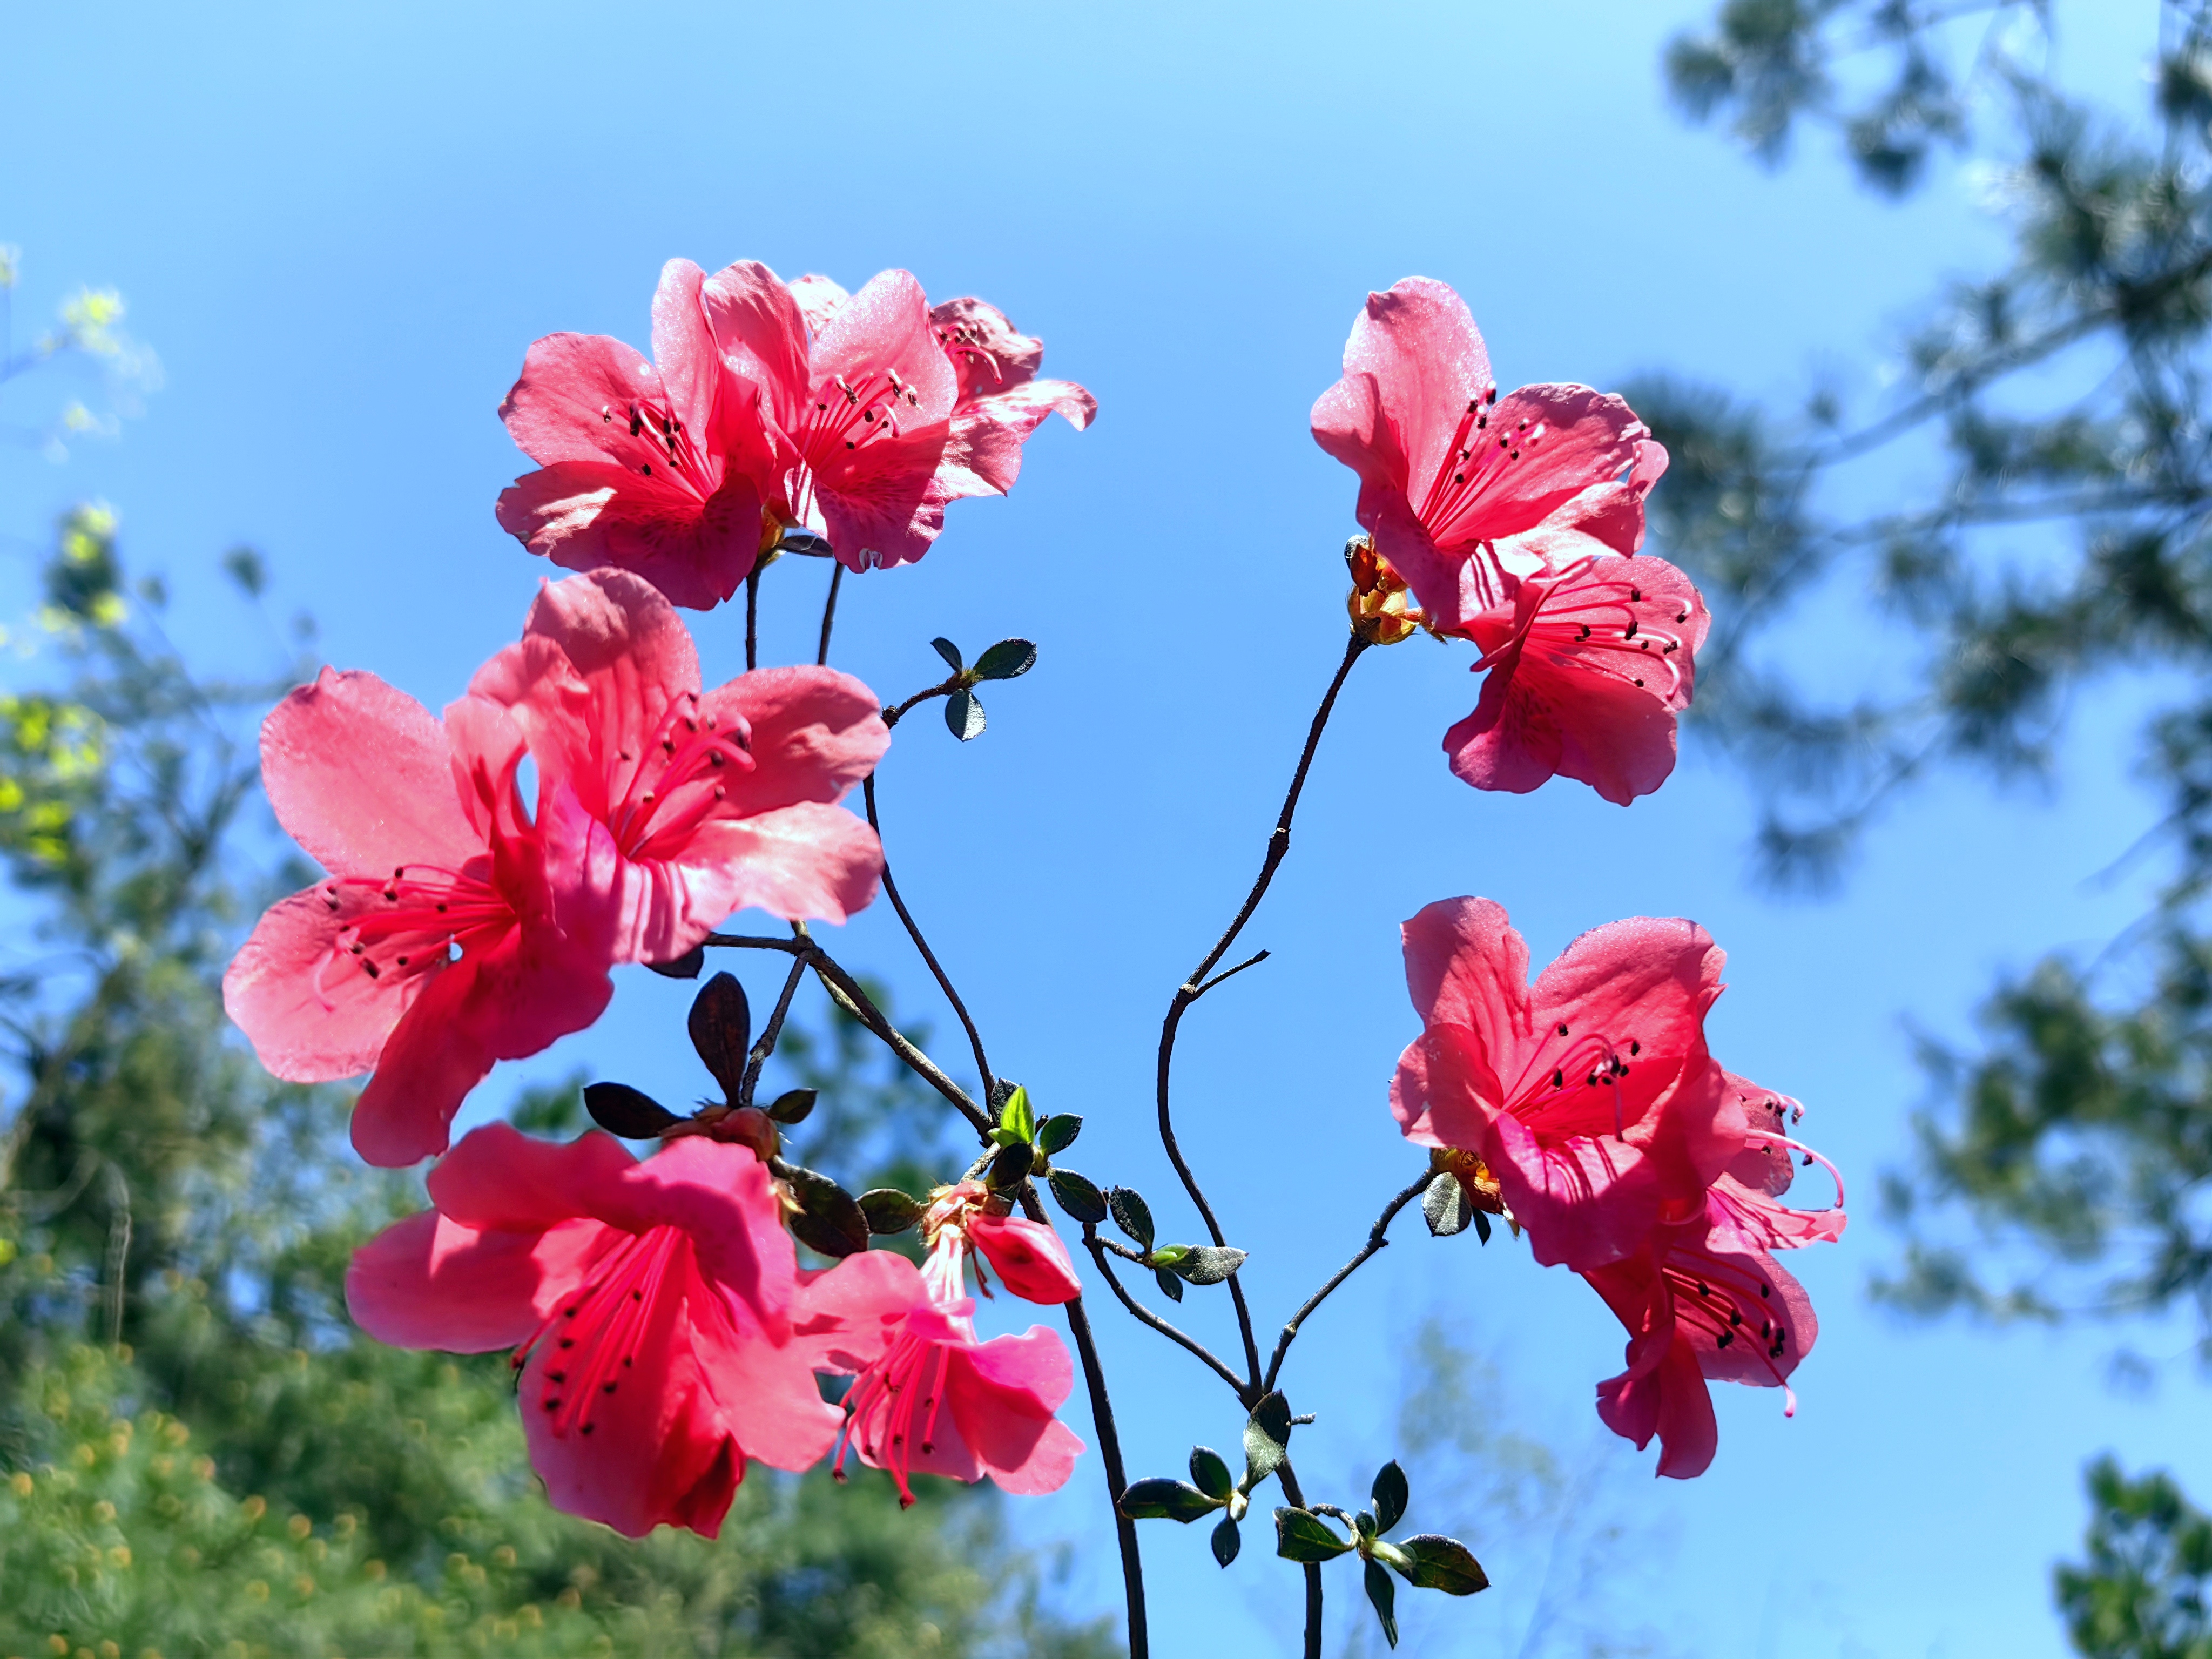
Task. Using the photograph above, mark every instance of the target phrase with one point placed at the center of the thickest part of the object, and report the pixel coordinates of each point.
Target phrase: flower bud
(1481, 1187)
(1379, 605)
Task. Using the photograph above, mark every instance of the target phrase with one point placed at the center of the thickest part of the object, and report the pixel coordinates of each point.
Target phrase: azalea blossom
(927, 1397)
(658, 467)
(1028, 1256)
(648, 1304)
(1589, 1096)
(434, 945)
(1516, 522)
(694, 803)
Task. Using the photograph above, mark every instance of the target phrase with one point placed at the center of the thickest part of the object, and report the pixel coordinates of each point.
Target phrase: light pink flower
(695, 803)
(649, 1305)
(1590, 1096)
(433, 948)
(1516, 520)
(927, 1397)
(657, 469)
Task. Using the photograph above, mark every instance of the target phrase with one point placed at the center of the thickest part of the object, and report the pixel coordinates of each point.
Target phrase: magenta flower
(1516, 521)
(649, 1306)
(1027, 1256)
(657, 467)
(927, 1397)
(694, 804)
(1590, 1096)
(436, 946)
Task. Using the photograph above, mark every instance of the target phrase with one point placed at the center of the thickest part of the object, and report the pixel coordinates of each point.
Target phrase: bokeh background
(340, 228)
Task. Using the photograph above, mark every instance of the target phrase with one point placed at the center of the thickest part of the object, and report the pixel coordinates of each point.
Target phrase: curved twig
(1377, 1236)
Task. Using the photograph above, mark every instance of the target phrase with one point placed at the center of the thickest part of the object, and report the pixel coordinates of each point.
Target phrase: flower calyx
(1463, 1192)
(1380, 604)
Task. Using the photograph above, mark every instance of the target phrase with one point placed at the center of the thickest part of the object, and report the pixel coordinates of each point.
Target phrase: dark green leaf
(963, 715)
(950, 652)
(1131, 1214)
(1163, 1499)
(1010, 1167)
(1015, 1117)
(792, 1105)
(620, 1109)
(1384, 1594)
(1445, 1206)
(686, 966)
(889, 1210)
(1301, 1536)
(1436, 1562)
(722, 1026)
(1210, 1474)
(830, 1219)
(1057, 1133)
(1482, 1227)
(1266, 1438)
(1171, 1286)
(1389, 1494)
(1207, 1264)
(1225, 1541)
(1006, 660)
(1078, 1197)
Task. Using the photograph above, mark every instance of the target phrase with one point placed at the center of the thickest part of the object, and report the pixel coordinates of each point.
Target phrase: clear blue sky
(341, 227)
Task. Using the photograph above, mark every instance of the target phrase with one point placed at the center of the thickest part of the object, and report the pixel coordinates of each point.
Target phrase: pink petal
(312, 1015)
(815, 733)
(573, 402)
(847, 1317)
(1004, 1393)
(762, 333)
(1533, 722)
(359, 775)
(1029, 1256)
(1464, 965)
(988, 354)
(886, 328)
(880, 504)
(803, 862)
(1584, 1200)
(768, 1396)
(818, 299)
(1543, 446)
(500, 1180)
(1426, 358)
(683, 346)
(719, 1194)
(584, 514)
(427, 1282)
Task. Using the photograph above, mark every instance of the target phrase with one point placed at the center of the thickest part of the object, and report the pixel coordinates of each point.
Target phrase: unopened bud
(1474, 1178)
(1379, 605)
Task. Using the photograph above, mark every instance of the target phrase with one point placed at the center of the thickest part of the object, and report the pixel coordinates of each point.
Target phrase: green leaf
(1303, 1536)
(721, 1027)
(792, 1105)
(830, 1219)
(1057, 1133)
(1016, 1118)
(1210, 1474)
(1007, 659)
(1167, 1256)
(963, 715)
(1266, 1439)
(1207, 1264)
(1436, 1562)
(1171, 1286)
(1162, 1499)
(1445, 1206)
(1078, 1197)
(1390, 1494)
(1384, 1594)
(1010, 1167)
(950, 652)
(1131, 1214)
(889, 1210)
(621, 1110)
(1225, 1541)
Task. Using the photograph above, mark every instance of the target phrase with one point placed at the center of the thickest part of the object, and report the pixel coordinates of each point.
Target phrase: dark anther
(588, 1428)
(1472, 405)
(370, 966)
(1563, 1029)
(1735, 1316)
(1634, 1047)
(1629, 633)
(1515, 456)
(1635, 596)
(1684, 617)
(1458, 477)
(1703, 1289)
(606, 1388)
(1559, 1079)
(567, 1341)
(1494, 394)
(556, 1376)
(648, 469)
(637, 421)
(1767, 1290)
(637, 1296)
(402, 962)
(552, 1402)
(1639, 681)
(1726, 1337)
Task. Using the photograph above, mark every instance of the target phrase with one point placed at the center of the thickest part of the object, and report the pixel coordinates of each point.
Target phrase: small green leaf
(1163, 1499)
(1207, 1264)
(1016, 1118)
(630, 1113)
(1389, 1493)
(1303, 1536)
(792, 1106)
(721, 1027)
(1266, 1439)
(889, 1210)
(1006, 660)
(1131, 1214)
(1225, 1541)
(1171, 1286)
(830, 1219)
(1384, 1594)
(1010, 1167)
(950, 652)
(1441, 1563)
(686, 966)
(1057, 1133)
(1210, 1473)
(963, 715)
(1445, 1206)
(1078, 1197)
(1481, 1227)
(1167, 1256)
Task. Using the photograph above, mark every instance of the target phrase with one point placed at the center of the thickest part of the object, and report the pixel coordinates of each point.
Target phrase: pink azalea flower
(648, 1304)
(433, 948)
(884, 411)
(927, 1397)
(694, 804)
(1516, 522)
(1590, 1096)
(658, 467)
(1028, 1256)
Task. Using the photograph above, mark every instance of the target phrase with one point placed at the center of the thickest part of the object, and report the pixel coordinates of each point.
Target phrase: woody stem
(1377, 1236)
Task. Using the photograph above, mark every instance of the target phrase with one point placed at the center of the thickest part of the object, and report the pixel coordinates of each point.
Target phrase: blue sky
(342, 228)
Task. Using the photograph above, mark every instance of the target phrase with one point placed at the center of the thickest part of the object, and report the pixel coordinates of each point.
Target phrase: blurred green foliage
(2143, 1592)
